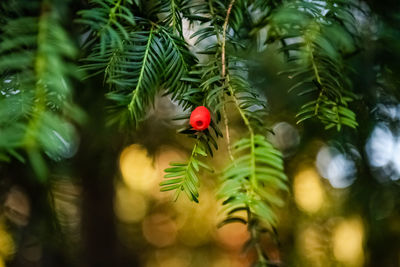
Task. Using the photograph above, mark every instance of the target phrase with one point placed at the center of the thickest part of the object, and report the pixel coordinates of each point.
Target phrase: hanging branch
(316, 59)
(228, 13)
(38, 116)
(181, 176)
(39, 107)
(223, 74)
(147, 78)
(173, 18)
(243, 186)
(109, 21)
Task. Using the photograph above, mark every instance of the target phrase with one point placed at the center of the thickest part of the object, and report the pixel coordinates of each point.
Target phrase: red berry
(200, 118)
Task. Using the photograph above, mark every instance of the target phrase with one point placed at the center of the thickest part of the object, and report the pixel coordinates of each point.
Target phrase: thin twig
(223, 74)
(228, 138)
(228, 13)
(253, 231)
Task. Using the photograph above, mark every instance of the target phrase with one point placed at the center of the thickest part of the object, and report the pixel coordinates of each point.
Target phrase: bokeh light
(231, 260)
(170, 257)
(159, 229)
(382, 149)
(311, 243)
(196, 222)
(233, 235)
(129, 206)
(137, 168)
(7, 245)
(338, 168)
(32, 250)
(17, 206)
(67, 204)
(380, 146)
(347, 242)
(286, 138)
(309, 193)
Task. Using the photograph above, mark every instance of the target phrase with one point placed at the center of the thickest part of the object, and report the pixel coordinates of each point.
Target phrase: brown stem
(223, 74)
(228, 13)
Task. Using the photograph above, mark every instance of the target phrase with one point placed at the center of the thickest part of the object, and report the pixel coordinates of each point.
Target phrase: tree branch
(223, 74)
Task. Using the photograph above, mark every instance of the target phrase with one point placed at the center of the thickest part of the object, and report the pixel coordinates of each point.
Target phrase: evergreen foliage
(35, 63)
(257, 164)
(137, 58)
(316, 38)
(139, 50)
(184, 174)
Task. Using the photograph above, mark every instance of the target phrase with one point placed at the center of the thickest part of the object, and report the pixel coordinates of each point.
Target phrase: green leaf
(254, 180)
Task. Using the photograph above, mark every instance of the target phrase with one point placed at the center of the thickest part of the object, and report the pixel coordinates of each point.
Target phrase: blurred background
(103, 207)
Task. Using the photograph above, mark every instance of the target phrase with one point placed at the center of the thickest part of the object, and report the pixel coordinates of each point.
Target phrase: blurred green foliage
(70, 71)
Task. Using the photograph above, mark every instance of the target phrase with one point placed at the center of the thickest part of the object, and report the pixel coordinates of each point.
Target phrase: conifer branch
(41, 107)
(252, 190)
(111, 16)
(310, 52)
(182, 176)
(228, 138)
(139, 85)
(223, 74)
(254, 235)
(40, 63)
(39, 70)
(320, 71)
(228, 12)
(176, 20)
